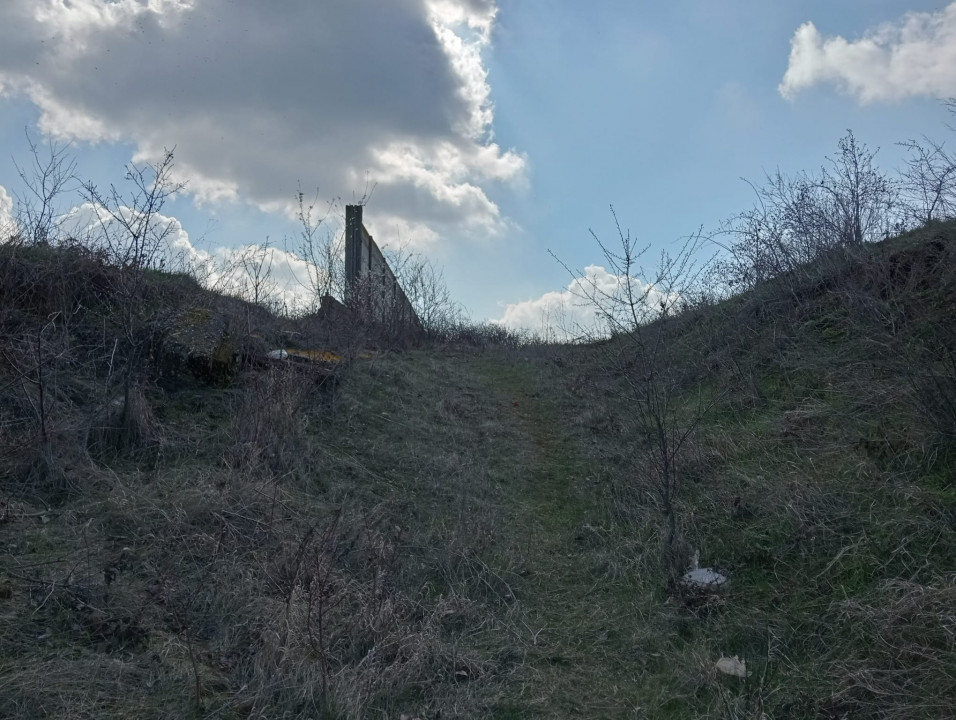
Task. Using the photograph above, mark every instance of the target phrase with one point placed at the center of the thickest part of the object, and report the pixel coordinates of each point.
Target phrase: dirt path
(576, 613)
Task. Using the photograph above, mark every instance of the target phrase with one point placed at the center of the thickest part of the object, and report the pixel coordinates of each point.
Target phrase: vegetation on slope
(472, 532)
(480, 527)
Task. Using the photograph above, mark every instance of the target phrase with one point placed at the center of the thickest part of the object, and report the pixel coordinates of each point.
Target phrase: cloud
(94, 227)
(283, 277)
(914, 57)
(572, 313)
(7, 226)
(282, 283)
(258, 96)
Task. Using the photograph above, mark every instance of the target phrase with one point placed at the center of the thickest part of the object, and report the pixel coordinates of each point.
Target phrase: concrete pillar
(353, 249)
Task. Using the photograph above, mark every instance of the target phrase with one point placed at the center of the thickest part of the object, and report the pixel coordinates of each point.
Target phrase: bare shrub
(929, 365)
(863, 202)
(894, 299)
(35, 361)
(929, 181)
(323, 252)
(480, 335)
(336, 630)
(424, 286)
(639, 312)
(51, 174)
(256, 284)
(41, 373)
(797, 219)
(129, 233)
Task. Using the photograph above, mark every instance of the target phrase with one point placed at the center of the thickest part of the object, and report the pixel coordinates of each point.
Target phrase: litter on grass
(732, 666)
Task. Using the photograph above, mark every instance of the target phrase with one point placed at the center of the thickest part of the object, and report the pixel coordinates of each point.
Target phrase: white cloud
(588, 307)
(94, 227)
(914, 57)
(259, 96)
(478, 15)
(283, 280)
(6, 214)
(284, 277)
(397, 232)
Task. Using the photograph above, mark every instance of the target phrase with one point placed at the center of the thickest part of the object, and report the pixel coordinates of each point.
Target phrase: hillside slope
(475, 532)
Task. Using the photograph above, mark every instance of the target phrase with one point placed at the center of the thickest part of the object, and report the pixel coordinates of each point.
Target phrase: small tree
(425, 287)
(50, 175)
(39, 353)
(860, 202)
(639, 311)
(929, 181)
(129, 231)
(322, 250)
(129, 228)
(254, 266)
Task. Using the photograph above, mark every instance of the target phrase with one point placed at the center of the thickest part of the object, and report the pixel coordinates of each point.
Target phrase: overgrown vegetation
(482, 526)
(820, 481)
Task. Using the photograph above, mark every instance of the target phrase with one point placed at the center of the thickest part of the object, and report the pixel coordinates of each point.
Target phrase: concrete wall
(371, 288)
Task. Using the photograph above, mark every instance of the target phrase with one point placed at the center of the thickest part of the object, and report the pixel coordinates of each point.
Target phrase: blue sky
(493, 131)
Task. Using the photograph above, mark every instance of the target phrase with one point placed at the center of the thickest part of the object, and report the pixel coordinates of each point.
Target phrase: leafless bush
(41, 368)
(480, 335)
(639, 312)
(39, 215)
(129, 232)
(864, 203)
(254, 265)
(797, 219)
(894, 299)
(424, 286)
(36, 369)
(323, 252)
(929, 181)
(343, 634)
(128, 228)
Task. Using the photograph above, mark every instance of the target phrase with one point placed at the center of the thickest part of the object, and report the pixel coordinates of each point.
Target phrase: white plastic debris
(702, 578)
(278, 355)
(732, 666)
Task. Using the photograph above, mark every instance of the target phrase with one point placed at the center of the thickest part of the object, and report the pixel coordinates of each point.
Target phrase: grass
(464, 532)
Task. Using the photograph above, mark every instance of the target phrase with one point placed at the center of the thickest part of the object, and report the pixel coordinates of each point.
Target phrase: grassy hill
(189, 530)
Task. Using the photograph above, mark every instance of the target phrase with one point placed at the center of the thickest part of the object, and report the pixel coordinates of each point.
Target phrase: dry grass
(901, 661)
(290, 564)
(465, 532)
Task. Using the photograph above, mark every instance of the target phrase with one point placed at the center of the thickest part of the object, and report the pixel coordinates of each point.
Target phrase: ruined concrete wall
(371, 287)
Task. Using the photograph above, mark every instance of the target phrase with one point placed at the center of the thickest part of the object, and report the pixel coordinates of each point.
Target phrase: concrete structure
(371, 288)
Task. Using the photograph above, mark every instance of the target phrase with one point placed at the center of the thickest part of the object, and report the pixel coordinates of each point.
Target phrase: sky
(491, 135)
